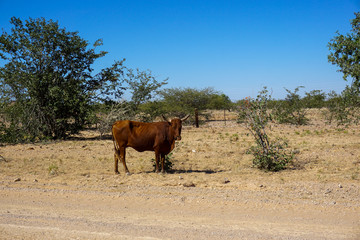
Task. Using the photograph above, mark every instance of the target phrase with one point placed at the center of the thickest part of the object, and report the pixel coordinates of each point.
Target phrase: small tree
(151, 110)
(143, 86)
(268, 154)
(345, 52)
(314, 99)
(183, 101)
(220, 102)
(291, 110)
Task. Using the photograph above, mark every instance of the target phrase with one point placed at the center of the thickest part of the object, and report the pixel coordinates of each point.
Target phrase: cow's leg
(157, 156)
(163, 163)
(116, 158)
(122, 157)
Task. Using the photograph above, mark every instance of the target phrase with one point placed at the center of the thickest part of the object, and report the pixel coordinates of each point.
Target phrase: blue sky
(236, 47)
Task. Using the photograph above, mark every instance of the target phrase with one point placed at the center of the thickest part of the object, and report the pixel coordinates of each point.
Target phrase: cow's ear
(165, 119)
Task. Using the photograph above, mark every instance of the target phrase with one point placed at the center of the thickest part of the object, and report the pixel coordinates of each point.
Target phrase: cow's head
(176, 125)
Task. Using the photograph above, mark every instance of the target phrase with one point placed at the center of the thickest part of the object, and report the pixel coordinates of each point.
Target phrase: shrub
(336, 109)
(273, 156)
(344, 108)
(150, 110)
(168, 162)
(53, 169)
(314, 99)
(291, 110)
(112, 113)
(180, 102)
(268, 155)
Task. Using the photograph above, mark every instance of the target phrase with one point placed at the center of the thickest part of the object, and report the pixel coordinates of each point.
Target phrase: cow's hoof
(117, 172)
(128, 174)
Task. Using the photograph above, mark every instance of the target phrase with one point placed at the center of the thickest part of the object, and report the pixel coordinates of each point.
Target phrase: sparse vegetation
(112, 113)
(199, 152)
(343, 108)
(345, 53)
(292, 109)
(268, 154)
(168, 162)
(53, 169)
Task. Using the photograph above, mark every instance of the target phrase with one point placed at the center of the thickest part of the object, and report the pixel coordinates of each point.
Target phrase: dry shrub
(268, 154)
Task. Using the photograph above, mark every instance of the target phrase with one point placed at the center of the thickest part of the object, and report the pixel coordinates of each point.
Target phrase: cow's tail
(116, 146)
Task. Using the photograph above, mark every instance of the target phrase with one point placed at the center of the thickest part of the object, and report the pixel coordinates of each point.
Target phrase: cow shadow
(206, 171)
(176, 171)
(96, 138)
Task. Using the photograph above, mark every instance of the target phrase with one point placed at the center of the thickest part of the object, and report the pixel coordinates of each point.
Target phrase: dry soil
(68, 189)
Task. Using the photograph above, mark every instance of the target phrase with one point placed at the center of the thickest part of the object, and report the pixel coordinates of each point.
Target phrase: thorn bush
(271, 155)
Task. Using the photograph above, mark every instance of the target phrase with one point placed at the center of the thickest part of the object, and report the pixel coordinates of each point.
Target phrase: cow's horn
(165, 118)
(186, 117)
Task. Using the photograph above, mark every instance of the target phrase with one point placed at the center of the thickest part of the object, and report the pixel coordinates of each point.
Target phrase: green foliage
(345, 52)
(143, 86)
(46, 83)
(291, 110)
(314, 99)
(234, 137)
(150, 110)
(219, 102)
(53, 169)
(268, 155)
(344, 108)
(180, 102)
(168, 162)
(274, 157)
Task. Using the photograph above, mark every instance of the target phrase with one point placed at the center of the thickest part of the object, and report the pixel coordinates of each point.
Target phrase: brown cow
(157, 136)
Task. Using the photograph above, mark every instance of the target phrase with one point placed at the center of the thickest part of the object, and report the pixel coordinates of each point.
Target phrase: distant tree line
(169, 102)
(49, 90)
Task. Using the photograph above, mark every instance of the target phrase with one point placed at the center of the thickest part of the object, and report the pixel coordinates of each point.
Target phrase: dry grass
(71, 187)
(213, 155)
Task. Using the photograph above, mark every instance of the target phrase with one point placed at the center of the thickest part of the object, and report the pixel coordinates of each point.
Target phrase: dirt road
(37, 210)
(68, 189)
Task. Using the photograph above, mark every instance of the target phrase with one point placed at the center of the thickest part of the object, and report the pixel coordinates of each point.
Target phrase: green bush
(343, 108)
(182, 101)
(273, 156)
(268, 155)
(47, 82)
(291, 110)
(314, 99)
(151, 110)
(168, 162)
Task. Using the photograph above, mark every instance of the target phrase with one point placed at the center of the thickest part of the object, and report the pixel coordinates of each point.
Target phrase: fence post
(196, 118)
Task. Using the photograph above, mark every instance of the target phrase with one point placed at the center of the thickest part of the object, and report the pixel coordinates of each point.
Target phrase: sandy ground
(151, 212)
(67, 189)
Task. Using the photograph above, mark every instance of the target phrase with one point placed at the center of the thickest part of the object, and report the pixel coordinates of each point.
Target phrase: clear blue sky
(236, 47)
